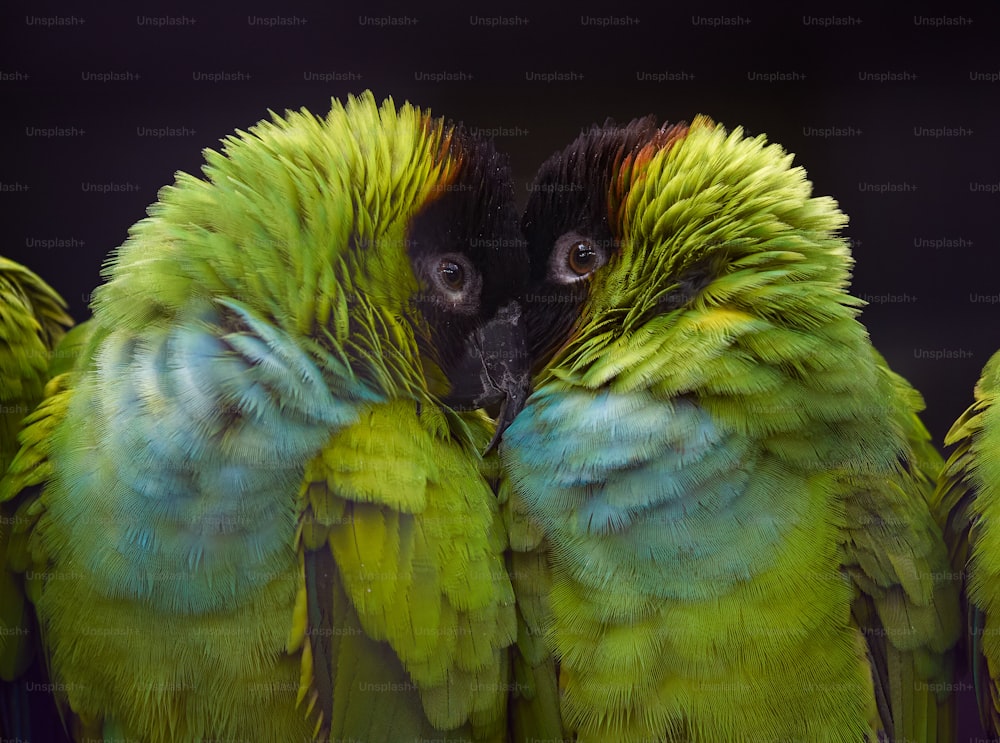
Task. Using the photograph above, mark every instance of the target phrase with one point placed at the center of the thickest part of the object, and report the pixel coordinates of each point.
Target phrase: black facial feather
(570, 194)
(466, 249)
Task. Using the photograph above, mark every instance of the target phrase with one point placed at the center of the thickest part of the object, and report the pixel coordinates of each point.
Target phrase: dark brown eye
(454, 281)
(452, 275)
(582, 258)
(575, 257)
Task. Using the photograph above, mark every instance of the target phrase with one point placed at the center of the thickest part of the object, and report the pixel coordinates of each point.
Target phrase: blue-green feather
(192, 411)
(627, 479)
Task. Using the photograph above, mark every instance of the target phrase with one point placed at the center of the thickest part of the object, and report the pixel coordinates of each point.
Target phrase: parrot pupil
(582, 258)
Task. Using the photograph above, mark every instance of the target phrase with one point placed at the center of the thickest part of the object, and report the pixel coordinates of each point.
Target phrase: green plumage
(251, 511)
(966, 500)
(730, 482)
(32, 321)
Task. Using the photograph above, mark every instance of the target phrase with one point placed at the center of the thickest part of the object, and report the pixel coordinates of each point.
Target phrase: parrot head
(668, 245)
(384, 240)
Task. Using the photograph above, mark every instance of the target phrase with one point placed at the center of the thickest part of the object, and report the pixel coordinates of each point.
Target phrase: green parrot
(33, 319)
(966, 499)
(256, 508)
(725, 486)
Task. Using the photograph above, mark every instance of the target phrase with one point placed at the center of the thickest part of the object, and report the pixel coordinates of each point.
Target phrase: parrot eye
(582, 258)
(575, 257)
(455, 281)
(452, 274)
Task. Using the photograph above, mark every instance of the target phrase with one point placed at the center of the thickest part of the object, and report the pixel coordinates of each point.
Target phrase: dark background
(121, 89)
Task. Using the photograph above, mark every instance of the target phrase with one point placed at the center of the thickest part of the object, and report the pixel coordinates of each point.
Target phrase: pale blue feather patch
(198, 444)
(633, 487)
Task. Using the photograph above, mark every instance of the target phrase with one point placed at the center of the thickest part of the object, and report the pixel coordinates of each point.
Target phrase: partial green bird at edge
(966, 503)
(33, 320)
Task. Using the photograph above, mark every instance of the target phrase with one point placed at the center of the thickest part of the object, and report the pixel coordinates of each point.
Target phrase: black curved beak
(503, 344)
(496, 369)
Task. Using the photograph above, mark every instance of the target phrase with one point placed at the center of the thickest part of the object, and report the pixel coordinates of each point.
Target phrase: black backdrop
(894, 114)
